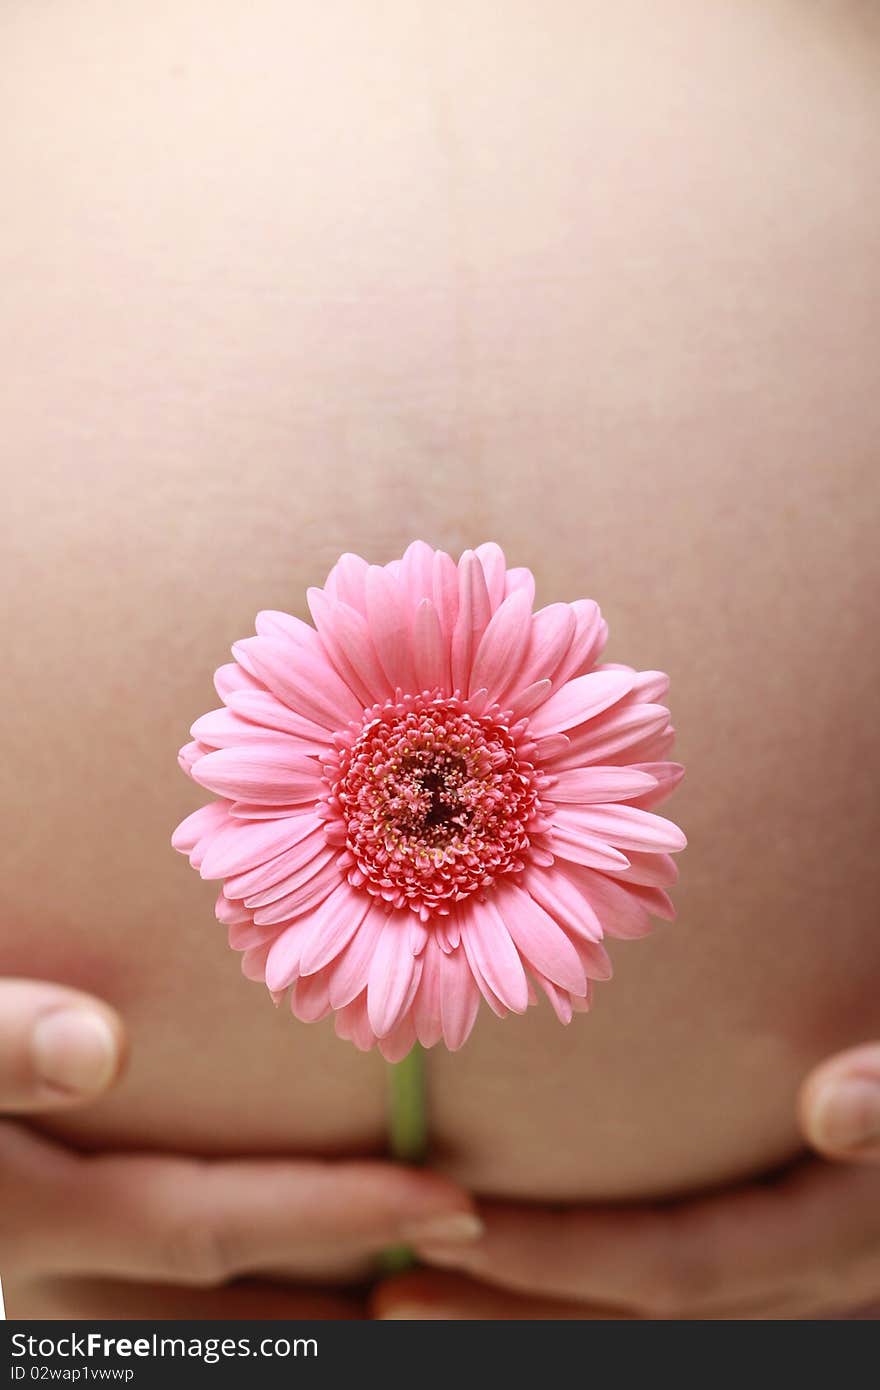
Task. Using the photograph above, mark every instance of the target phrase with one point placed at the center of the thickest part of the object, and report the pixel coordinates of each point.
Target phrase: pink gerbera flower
(433, 796)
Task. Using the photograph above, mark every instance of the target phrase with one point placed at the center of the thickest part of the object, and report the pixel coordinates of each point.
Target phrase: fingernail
(74, 1050)
(456, 1227)
(455, 1256)
(846, 1113)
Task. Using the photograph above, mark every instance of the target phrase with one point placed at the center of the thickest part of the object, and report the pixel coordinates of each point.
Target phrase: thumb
(58, 1047)
(839, 1105)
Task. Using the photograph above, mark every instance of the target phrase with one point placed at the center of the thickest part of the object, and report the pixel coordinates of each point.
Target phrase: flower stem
(407, 1108)
(407, 1133)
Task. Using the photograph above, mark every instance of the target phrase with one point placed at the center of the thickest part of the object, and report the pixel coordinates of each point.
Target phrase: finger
(203, 1222)
(58, 1047)
(87, 1299)
(814, 1236)
(429, 1295)
(839, 1105)
(426, 1296)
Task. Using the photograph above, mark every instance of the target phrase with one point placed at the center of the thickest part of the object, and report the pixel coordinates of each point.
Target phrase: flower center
(436, 801)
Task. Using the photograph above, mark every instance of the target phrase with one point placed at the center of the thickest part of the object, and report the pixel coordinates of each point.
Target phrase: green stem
(407, 1133)
(407, 1108)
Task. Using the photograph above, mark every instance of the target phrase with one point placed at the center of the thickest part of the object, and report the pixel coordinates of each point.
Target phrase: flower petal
(430, 650)
(260, 810)
(391, 973)
(309, 1000)
(499, 654)
(585, 786)
(559, 896)
(417, 574)
(353, 635)
(655, 901)
(243, 936)
(347, 581)
(491, 557)
(389, 629)
(520, 578)
(488, 994)
(623, 826)
(268, 773)
(595, 960)
(649, 687)
(401, 1040)
(617, 731)
(253, 962)
(353, 1024)
(245, 845)
(621, 909)
(230, 913)
(580, 700)
(261, 707)
(490, 949)
(546, 749)
(650, 748)
(285, 875)
(524, 701)
(459, 998)
(302, 677)
(559, 999)
(590, 636)
(222, 728)
(207, 821)
(351, 971)
(648, 870)
(427, 1017)
(189, 754)
(445, 591)
(551, 632)
(667, 777)
(233, 677)
(540, 939)
(311, 891)
(272, 623)
(333, 925)
(334, 628)
(282, 962)
(474, 612)
(580, 848)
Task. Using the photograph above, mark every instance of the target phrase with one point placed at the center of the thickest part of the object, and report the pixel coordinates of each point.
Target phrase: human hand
(804, 1245)
(839, 1105)
(156, 1235)
(801, 1245)
(58, 1047)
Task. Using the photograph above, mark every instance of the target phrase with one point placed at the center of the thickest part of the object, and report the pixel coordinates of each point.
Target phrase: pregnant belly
(683, 1075)
(653, 384)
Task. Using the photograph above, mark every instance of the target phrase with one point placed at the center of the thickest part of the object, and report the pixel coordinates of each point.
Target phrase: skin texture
(602, 287)
(87, 1233)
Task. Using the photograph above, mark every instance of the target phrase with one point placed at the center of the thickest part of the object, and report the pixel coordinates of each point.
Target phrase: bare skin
(603, 288)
